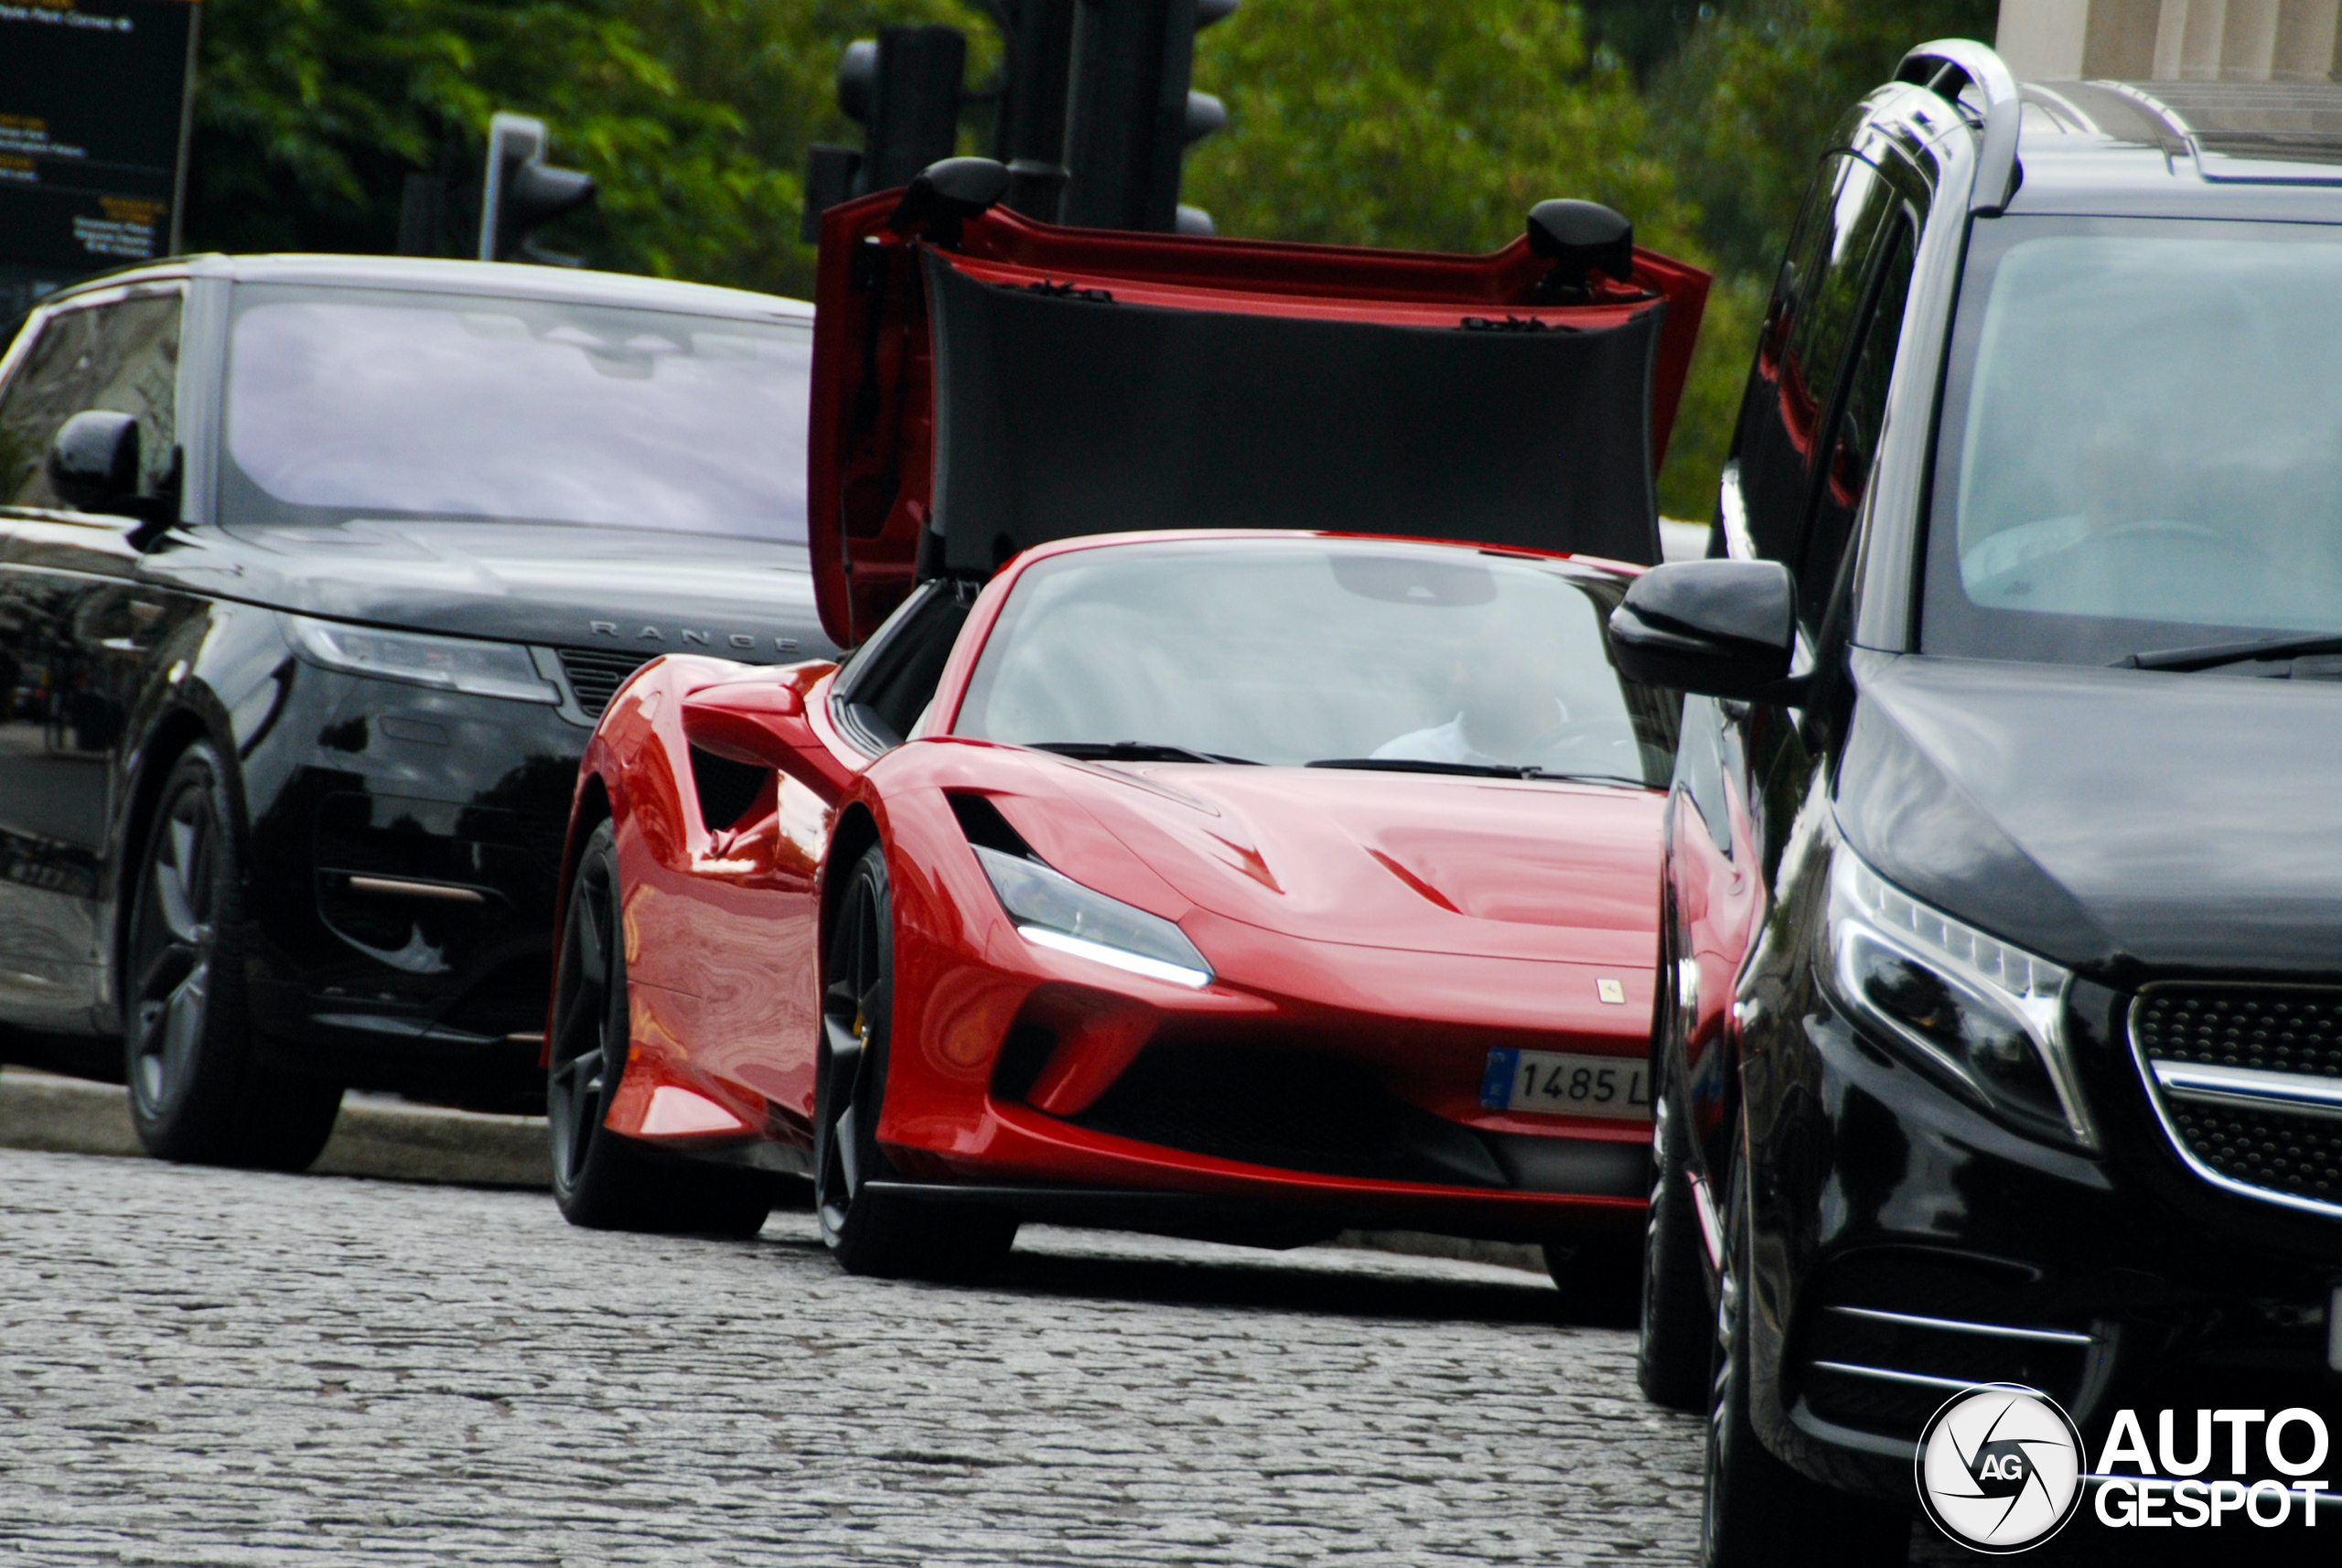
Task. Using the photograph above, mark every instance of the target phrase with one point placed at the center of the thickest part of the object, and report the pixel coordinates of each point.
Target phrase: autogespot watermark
(2001, 1469)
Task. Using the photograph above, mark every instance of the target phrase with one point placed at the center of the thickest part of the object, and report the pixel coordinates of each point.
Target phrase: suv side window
(124, 356)
(1862, 414)
(1815, 316)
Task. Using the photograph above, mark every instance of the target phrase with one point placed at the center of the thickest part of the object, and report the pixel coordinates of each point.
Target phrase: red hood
(985, 386)
(1409, 862)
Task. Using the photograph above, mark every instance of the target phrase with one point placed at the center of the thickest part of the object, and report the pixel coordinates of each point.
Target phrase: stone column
(2173, 41)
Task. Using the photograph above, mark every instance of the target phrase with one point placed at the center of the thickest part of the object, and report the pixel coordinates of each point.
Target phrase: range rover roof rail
(1947, 68)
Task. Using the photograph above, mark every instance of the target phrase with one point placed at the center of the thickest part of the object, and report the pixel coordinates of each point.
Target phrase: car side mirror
(1720, 629)
(758, 721)
(94, 461)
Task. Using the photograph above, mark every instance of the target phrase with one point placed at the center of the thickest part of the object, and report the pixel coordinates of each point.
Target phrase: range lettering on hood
(691, 637)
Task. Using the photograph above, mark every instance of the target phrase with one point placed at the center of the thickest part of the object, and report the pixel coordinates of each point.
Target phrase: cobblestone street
(202, 1366)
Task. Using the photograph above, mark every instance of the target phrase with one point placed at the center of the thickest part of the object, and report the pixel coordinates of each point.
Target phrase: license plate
(1560, 1085)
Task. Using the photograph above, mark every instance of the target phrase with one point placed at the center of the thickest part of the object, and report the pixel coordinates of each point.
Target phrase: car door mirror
(94, 461)
(758, 721)
(1721, 628)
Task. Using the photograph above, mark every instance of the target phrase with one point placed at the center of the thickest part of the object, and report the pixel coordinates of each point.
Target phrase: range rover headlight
(1988, 1015)
(1052, 910)
(450, 664)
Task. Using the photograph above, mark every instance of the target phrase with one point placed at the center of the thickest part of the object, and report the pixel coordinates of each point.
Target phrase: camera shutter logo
(2000, 1469)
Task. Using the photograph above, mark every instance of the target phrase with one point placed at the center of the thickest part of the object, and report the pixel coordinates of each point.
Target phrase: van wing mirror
(93, 460)
(1721, 628)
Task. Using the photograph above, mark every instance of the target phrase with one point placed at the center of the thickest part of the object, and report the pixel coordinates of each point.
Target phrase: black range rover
(314, 573)
(2002, 1035)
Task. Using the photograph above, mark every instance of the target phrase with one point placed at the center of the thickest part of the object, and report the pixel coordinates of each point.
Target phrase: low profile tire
(1677, 1339)
(601, 1180)
(1597, 1277)
(1757, 1511)
(198, 1091)
(877, 1233)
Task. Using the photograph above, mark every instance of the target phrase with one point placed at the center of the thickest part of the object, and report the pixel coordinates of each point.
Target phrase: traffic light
(523, 192)
(904, 89)
(1130, 116)
(1030, 136)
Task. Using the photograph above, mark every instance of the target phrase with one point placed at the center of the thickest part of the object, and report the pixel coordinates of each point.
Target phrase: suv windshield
(1291, 652)
(2141, 446)
(360, 402)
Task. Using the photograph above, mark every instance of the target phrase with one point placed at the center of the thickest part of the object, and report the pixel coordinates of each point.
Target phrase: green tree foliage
(693, 115)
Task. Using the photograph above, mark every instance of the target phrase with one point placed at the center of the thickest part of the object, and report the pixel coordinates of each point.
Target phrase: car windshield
(1298, 651)
(2141, 441)
(358, 402)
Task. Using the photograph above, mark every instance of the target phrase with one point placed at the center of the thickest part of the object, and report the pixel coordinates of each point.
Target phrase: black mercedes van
(314, 573)
(2002, 1036)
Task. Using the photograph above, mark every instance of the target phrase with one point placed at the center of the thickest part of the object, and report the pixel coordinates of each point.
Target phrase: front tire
(878, 1233)
(601, 1180)
(1757, 1511)
(198, 1094)
(1675, 1344)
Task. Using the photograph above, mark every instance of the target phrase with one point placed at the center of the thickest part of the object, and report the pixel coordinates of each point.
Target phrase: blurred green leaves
(1432, 123)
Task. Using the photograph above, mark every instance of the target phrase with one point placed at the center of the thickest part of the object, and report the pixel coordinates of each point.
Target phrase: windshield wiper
(1132, 751)
(2212, 655)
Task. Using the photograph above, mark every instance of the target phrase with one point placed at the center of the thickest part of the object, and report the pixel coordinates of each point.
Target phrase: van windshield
(346, 402)
(2141, 441)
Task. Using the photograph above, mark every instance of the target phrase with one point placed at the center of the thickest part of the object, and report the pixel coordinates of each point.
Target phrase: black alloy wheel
(601, 1180)
(198, 1092)
(1674, 1346)
(877, 1233)
(1757, 1512)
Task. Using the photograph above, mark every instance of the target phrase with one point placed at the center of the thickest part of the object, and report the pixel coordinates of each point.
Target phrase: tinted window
(2141, 440)
(123, 357)
(1816, 311)
(1288, 653)
(1862, 415)
(347, 402)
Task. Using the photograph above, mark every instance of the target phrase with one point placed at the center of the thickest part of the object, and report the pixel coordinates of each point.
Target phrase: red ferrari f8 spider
(1229, 822)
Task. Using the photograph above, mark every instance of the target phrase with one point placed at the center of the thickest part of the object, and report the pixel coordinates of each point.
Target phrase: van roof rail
(1948, 67)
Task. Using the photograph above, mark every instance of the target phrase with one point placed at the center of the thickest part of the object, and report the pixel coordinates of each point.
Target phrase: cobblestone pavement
(214, 1367)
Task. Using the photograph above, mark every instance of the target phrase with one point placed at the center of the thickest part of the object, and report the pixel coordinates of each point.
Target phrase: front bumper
(1906, 1246)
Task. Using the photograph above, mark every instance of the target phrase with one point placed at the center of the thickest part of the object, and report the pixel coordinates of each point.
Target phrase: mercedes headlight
(1052, 910)
(1988, 1016)
(448, 663)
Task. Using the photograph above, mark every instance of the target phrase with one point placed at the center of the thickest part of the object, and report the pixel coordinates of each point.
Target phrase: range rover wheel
(872, 1233)
(1757, 1512)
(600, 1179)
(1675, 1346)
(198, 1091)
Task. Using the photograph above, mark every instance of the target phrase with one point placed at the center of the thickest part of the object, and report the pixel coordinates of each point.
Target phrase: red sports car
(1228, 823)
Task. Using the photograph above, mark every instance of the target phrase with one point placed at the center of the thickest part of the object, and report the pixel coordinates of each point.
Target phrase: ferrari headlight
(1052, 910)
(1988, 1014)
(450, 664)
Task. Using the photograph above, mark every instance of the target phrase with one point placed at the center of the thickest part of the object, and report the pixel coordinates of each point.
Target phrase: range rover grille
(2275, 1028)
(596, 674)
(2249, 1081)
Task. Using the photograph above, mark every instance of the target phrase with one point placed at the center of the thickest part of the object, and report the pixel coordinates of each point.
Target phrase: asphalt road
(215, 1367)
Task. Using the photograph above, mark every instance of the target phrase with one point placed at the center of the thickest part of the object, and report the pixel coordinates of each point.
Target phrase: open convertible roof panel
(983, 384)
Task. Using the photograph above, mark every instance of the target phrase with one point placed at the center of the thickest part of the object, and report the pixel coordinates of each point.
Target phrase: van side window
(1808, 332)
(1862, 415)
(123, 357)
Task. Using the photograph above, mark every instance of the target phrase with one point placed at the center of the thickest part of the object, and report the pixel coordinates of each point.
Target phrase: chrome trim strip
(2249, 1086)
(1917, 1380)
(1956, 1325)
(1704, 1208)
(402, 887)
(2179, 1142)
